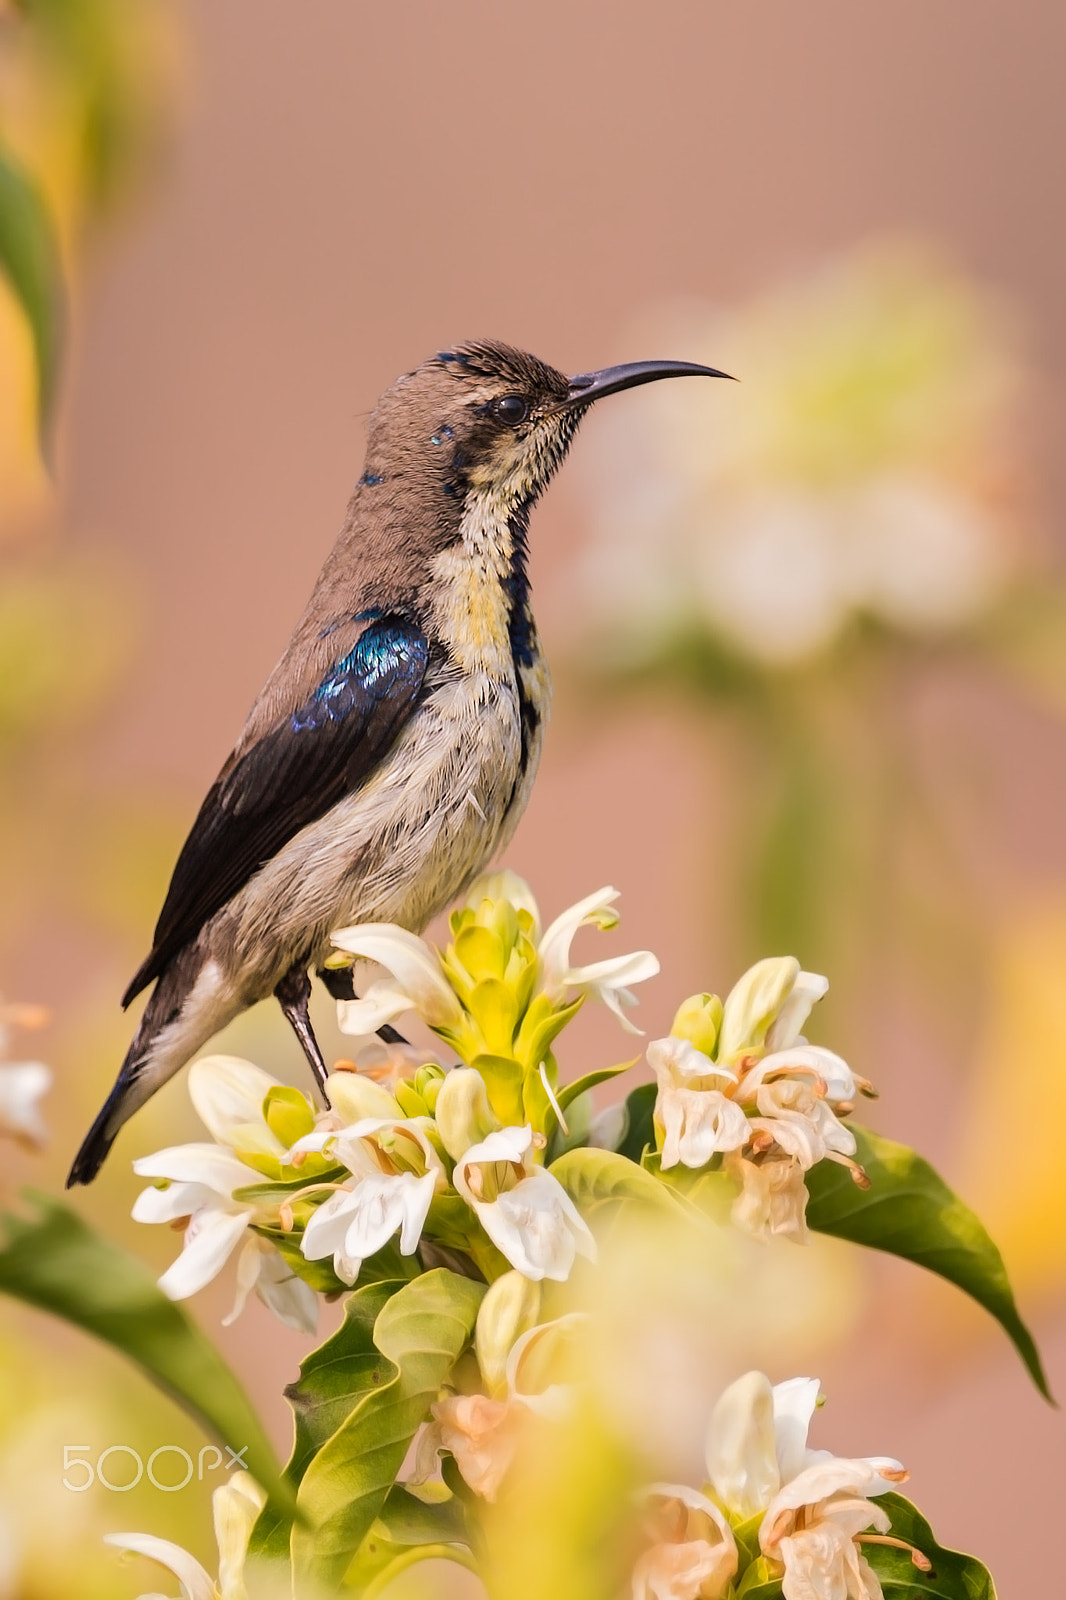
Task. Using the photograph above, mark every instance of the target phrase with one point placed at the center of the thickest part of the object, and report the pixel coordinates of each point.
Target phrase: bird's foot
(293, 993)
(340, 981)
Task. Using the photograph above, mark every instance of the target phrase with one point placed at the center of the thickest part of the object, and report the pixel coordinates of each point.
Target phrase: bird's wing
(290, 776)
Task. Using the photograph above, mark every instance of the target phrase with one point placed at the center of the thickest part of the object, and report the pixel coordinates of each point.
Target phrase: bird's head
(487, 420)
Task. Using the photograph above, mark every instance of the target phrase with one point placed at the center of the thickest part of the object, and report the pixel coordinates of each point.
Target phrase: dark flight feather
(292, 775)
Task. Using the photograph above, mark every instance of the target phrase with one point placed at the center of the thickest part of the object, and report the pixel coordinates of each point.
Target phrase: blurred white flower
(235, 1505)
(868, 465)
(689, 1551)
(524, 1210)
(23, 1084)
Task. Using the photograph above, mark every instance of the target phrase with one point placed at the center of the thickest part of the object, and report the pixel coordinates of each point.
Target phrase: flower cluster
(799, 1517)
(870, 468)
(456, 1157)
(740, 1087)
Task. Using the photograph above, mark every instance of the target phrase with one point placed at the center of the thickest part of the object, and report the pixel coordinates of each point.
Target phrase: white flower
(524, 1210)
(815, 1506)
(767, 1101)
(235, 1505)
(420, 984)
(196, 1185)
(608, 980)
(690, 1552)
(23, 1084)
(395, 1174)
(697, 1118)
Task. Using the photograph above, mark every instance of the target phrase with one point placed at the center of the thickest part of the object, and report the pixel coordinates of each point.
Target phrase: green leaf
(407, 1519)
(954, 1576)
(909, 1211)
(418, 1336)
(640, 1126)
(593, 1178)
(759, 1582)
(333, 1379)
(30, 261)
(52, 1260)
(572, 1091)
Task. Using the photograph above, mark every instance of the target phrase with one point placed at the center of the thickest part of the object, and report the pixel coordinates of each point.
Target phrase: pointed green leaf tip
(909, 1211)
(51, 1259)
(30, 261)
(953, 1576)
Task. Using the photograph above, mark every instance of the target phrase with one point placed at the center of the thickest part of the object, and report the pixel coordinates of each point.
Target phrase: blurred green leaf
(31, 263)
(909, 1211)
(358, 1403)
(954, 1576)
(759, 1582)
(640, 1126)
(52, 1260)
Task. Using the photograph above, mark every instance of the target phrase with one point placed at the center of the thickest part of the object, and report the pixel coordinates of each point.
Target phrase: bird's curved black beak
(586, 387)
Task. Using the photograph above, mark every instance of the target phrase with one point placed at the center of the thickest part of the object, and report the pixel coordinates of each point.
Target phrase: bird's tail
(164, 1041)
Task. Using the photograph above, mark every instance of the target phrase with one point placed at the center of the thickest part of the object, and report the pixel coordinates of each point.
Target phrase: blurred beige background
(348, 187)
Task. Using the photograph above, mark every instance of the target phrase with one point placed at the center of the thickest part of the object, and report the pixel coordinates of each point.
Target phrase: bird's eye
(511, 408)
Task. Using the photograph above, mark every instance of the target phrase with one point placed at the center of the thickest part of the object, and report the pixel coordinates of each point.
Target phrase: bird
(393, 748)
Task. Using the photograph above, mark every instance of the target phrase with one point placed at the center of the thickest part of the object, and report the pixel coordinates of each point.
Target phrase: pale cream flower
(23, 1084)
(759, 1095)
(484, 1431)
(524, 1210)
(690, 1552)
(815, 1506)
(235, 1506)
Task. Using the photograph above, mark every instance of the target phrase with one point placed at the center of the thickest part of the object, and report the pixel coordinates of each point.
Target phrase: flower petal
(235, 1505)
(228, 1093)
(354, 1096)
(795, 1402)
(22, 1085)
(381, 1004)
(554, 949)
(216, 1169)
(808, 989)
(741, 1454)
(413, 963)
(537, 1227)
(210, 1240)
(753, 1003)
(504, 885)
(195, 1582)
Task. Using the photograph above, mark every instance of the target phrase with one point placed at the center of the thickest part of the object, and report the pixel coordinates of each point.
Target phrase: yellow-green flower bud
(753, 1003)
(463, 1114)
(509, 1309)
(698, 1020)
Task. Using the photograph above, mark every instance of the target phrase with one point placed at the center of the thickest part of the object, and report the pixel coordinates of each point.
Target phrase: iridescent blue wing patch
(290, 778)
